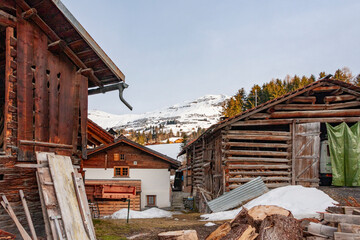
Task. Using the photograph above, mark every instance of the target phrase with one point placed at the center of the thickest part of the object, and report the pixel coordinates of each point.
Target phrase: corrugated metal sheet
(236, 197)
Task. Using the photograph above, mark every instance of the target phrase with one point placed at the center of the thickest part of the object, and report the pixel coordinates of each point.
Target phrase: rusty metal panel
(239, 195)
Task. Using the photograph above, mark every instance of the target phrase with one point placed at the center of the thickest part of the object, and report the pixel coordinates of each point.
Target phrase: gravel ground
(341, 193)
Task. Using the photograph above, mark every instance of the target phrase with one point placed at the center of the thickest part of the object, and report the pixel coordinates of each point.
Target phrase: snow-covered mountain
(186, 117)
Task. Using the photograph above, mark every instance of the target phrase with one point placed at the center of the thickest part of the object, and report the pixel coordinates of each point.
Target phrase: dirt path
(341, 193)
(110, 229)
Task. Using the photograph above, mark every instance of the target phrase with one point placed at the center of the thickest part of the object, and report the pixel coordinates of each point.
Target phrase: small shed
(278, 140)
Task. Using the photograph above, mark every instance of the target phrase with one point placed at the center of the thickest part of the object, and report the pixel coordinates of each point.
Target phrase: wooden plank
(258, 173)
(76, 114)
(244, 179)
(54, 86)
(326, 88)
(252, 159)
(256, 153)
(318, 114)
(41, 93)
(83, 115)
(43, 209)
(61, 170)
(316, 106)
(346, 236)
(349, 228)
(341, 218)
(261, 122)
(258, 137)
(6, 205)
(260, 145)
(28, 216)
(243, 166)
(24, 86)
(340, 98)
(249, 132)
(303, 99)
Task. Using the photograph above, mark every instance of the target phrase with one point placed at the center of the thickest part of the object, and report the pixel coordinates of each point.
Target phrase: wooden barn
(48, 62)
(278, 140)
(124, 170)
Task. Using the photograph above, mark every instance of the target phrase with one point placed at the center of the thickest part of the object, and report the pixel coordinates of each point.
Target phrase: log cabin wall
(278, 141)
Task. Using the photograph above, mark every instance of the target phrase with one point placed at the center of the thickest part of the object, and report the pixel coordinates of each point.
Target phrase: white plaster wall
(153, 182)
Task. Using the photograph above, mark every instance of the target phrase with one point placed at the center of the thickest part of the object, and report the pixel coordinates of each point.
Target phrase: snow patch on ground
(209, 224)
(303, 202)
(149, 213)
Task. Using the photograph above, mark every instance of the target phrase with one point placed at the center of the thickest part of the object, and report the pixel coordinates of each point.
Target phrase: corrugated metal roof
(239, 195)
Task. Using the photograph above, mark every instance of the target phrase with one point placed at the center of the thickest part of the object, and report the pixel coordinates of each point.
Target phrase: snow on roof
(170, 150)
(303, 202)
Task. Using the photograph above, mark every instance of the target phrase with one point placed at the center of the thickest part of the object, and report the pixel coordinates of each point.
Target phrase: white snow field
(303, 202)
(149, 213)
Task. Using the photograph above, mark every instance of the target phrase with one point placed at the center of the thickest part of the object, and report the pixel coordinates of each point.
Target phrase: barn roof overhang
(67, 35)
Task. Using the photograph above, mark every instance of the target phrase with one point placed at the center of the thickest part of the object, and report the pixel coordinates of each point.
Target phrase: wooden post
(293, 153)
(28, 216)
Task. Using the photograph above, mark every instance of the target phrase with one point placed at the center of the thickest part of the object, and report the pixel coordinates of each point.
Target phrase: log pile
(260, 222)
(338, 223)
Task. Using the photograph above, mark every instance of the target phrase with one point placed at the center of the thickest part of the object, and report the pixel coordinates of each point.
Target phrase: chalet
(127, 170)
(48, 62)
(278, 140)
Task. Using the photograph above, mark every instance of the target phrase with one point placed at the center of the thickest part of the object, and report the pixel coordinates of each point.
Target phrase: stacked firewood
(260, 222)
(339, 223)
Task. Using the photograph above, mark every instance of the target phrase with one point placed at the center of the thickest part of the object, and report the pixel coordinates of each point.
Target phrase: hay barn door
(306, 154)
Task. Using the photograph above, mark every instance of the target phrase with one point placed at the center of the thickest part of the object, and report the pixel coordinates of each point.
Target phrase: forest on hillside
(243, 101)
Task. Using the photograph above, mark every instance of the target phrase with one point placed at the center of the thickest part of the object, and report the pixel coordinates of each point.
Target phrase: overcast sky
(171, 50)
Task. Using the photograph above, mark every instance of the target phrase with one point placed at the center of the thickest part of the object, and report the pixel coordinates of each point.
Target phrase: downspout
(118, 86)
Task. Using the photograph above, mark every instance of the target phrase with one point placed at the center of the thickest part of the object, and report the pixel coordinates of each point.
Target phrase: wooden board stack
(339, 223)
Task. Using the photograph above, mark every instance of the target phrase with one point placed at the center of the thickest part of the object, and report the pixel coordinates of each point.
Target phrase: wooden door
(306, 154)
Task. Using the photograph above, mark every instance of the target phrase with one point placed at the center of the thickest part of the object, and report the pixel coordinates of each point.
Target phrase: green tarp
(344, 146)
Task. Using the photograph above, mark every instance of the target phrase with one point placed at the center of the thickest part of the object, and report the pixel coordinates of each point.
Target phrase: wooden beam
(340, 98)
(257, 173)
(256, 153)
(261, 145)
(258, 137)
(319, 114)
(260, 166)
(302, 99)
(342, 218)
(251, 132)
(300, 107)
(326, 88)
(29, 14)
(256, 159)
(7, 20)
(45, 144)
(57, 46)
(247, 179)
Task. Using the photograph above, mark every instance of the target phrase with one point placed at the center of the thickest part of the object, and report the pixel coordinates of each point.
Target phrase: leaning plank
(28, 216)
(346, 236)
(341, 218)
(11, 213)
(61, 169)
(349, 228)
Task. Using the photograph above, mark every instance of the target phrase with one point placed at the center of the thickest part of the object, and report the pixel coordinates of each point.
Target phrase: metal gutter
(89, 40)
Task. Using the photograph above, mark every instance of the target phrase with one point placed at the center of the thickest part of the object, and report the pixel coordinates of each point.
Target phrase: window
(151, 200)
(121, 171)
(119, 157)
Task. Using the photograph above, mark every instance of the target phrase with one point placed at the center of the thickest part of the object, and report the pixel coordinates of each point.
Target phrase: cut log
(258, 213)
(241, 232)
(348, 228)
(341, 218)
(178, 235)
(280, 227)
(220, 232)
